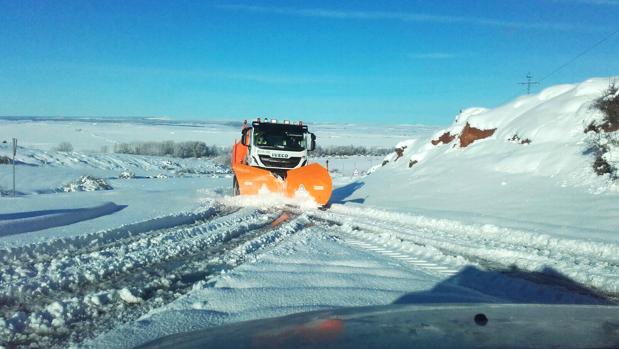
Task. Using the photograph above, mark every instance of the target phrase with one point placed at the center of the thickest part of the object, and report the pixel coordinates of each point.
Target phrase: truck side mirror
(245, 137)
(313, 142)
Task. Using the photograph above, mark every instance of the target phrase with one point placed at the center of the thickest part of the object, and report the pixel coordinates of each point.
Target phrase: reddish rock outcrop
(399, 153)
(471, 134)
(444, 138)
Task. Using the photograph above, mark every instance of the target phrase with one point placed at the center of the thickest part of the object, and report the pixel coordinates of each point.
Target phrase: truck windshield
(280, 137)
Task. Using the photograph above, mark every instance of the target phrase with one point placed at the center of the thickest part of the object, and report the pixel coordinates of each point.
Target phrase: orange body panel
(313, 178)
(239, 152)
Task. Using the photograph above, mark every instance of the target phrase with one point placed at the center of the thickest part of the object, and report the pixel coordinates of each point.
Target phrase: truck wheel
(235, 187)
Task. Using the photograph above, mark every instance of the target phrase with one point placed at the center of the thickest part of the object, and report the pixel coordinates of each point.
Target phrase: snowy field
(103, 250)
(91, 134)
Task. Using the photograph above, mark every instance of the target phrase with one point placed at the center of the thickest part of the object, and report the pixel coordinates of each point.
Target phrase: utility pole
(529, 82)
(14, 152)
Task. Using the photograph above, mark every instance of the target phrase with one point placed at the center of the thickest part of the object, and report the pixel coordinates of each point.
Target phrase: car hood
(418, 326)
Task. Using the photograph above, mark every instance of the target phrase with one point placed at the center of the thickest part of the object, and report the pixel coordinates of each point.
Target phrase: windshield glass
(280, 137)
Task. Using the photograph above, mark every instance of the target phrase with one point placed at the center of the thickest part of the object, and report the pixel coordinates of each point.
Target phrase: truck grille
(278, 162)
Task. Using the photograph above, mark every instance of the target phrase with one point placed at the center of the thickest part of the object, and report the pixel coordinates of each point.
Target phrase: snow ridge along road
(101, 280)
(444, 246)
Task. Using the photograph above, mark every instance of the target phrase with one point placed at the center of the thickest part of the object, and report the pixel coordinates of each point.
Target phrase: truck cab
(277, 146)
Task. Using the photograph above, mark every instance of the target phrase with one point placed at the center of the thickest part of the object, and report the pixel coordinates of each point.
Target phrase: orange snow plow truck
(273, 157)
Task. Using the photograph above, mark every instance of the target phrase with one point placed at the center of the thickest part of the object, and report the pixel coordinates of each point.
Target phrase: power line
(580, 55)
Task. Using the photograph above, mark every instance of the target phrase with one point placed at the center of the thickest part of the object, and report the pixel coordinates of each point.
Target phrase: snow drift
(528, 161)
(551, 124)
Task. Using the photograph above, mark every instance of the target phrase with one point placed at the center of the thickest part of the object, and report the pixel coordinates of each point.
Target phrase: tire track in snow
(69, 272)
(40, 273)
(88, 291)
(418, 257)
(414, 260)
(49, 250)
(453, 248)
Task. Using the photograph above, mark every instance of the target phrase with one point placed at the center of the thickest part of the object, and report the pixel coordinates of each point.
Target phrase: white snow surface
(547, 186)
(374, 258)
(167, 250)
(57, 196)
(310, 271)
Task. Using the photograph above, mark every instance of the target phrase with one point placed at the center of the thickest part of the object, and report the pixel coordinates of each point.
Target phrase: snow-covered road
(210, 261)
(76, 287)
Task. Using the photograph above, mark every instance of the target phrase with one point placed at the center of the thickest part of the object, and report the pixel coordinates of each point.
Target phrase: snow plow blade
(313, 179)
(253, 180)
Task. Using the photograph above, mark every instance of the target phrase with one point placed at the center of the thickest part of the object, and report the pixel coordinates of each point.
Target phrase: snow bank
(526, 164)
(540, 134)
(86, 183)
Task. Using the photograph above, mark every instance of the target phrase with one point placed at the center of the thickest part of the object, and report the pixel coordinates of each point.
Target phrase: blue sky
(335, 61)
